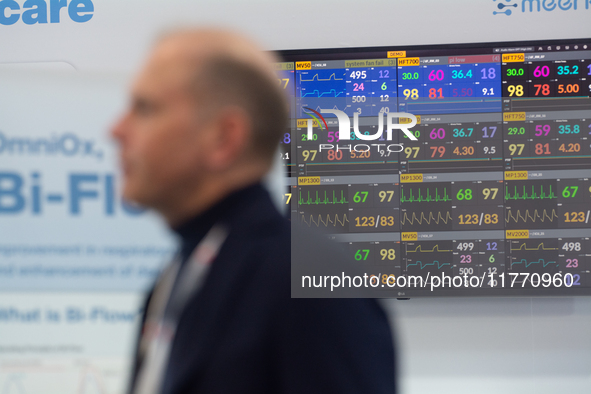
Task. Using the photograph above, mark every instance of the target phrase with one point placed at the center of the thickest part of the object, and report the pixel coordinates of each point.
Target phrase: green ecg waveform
(527, 195)
(321, 201)
(425, 198)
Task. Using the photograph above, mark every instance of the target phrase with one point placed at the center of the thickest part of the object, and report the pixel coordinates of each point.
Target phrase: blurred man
(204, 123)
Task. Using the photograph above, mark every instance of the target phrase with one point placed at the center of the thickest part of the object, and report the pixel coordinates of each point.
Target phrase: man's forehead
(176, 59)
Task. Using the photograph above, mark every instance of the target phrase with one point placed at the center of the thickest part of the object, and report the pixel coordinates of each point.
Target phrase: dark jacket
(242, 333)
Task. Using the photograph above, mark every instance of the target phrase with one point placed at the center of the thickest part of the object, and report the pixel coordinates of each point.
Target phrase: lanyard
(173, 290)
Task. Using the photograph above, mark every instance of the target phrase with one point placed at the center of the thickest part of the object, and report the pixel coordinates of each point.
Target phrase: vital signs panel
(486, 192)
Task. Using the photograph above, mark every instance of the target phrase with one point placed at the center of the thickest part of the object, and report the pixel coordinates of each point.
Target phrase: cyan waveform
(544, 216)
(330, 93)
(541, 246)
(527, 264)
(439, 265)
(420, 249)
(427, 219)
(329, 220)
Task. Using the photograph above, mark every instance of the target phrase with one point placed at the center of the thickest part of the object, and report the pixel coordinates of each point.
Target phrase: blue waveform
(439, 265)
(316, 93)
(527, 264)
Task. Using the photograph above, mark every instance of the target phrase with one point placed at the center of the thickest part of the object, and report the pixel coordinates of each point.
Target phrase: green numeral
(464, 194)
(570, 191)
(359, 254)
(357, 197)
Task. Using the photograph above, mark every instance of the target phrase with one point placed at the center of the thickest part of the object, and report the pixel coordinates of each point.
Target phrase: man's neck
(213, 190)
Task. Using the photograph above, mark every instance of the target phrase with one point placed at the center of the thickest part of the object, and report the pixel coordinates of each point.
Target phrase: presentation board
(75, 261)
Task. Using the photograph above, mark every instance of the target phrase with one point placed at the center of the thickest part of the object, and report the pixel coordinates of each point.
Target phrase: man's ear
(231, 138)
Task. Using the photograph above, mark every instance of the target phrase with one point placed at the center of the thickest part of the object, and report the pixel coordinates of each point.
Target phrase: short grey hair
(225, 80)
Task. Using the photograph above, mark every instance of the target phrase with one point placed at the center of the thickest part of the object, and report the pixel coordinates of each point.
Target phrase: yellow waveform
(436, 247)
(315, 78)
(428, 219)
(533, 217)
(523, 246)
(326, 222)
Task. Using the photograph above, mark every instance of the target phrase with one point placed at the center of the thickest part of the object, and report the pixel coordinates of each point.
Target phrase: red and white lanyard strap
(175, 287)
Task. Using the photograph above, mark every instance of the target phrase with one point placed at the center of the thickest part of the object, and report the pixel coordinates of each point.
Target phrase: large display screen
(494, 189)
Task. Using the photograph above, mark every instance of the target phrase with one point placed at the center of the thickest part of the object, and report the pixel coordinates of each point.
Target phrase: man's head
(206, 116)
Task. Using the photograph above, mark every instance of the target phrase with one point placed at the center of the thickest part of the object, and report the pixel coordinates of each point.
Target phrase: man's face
(162, 146)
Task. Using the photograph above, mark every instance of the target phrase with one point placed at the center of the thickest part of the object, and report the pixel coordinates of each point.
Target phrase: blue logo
(537, 6)
(501, 6)
(39, 11)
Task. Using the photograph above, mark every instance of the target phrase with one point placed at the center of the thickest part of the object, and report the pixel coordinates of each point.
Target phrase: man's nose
(120, 128)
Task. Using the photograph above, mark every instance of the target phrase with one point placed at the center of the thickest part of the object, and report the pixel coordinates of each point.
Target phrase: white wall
(500, 345)
(120, 32)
